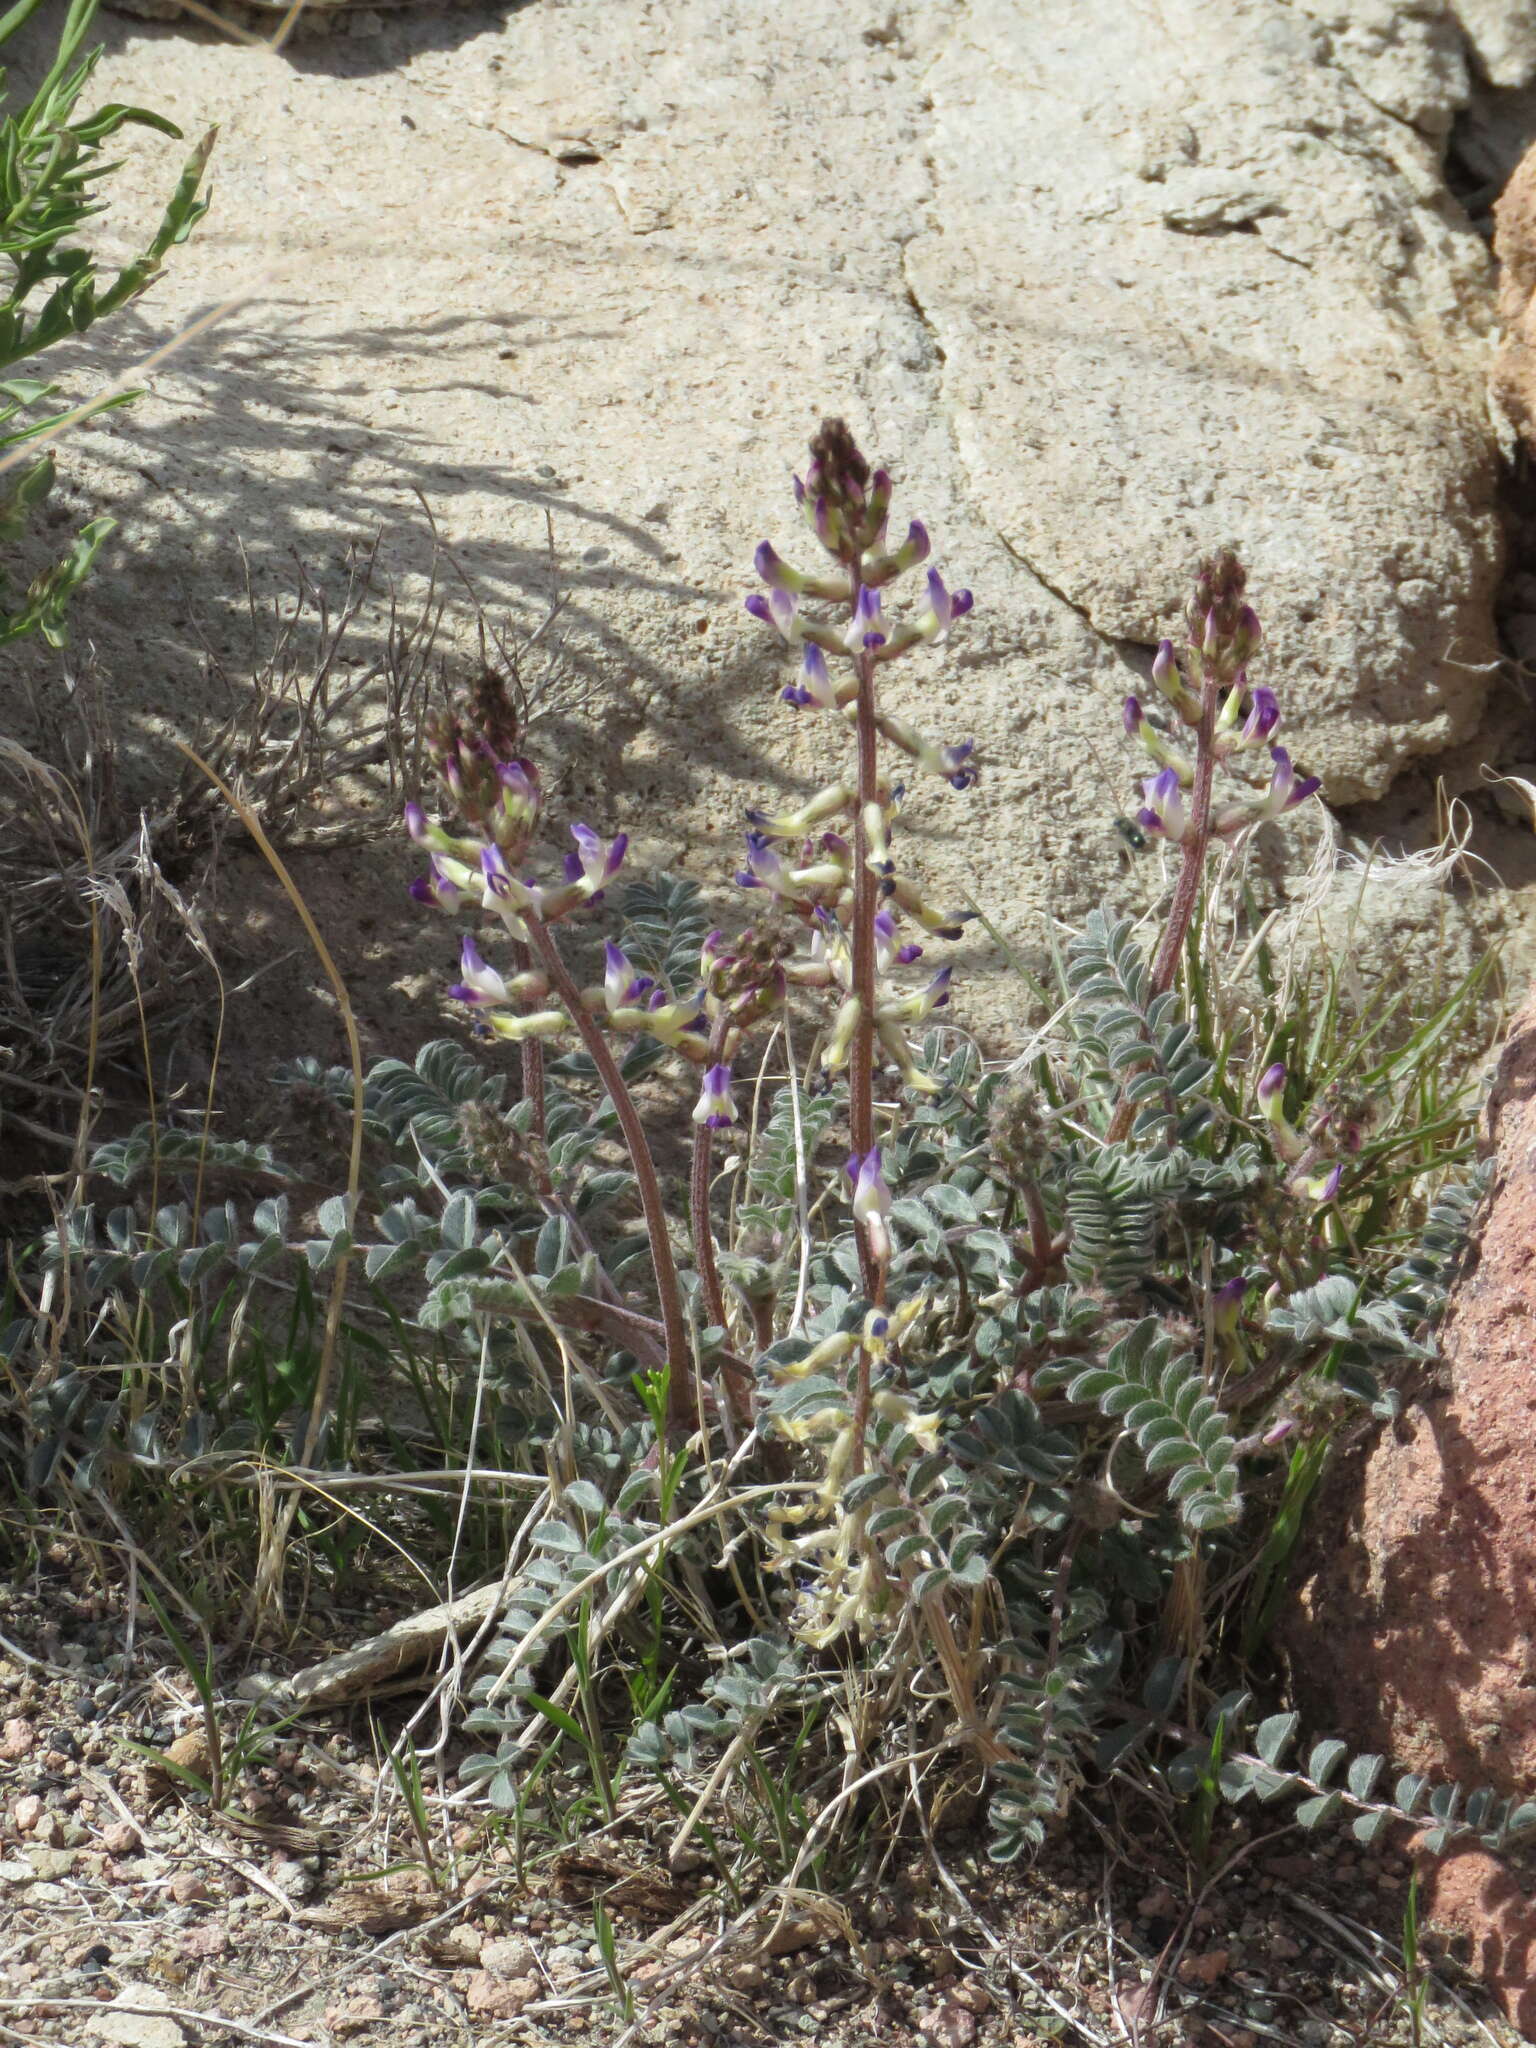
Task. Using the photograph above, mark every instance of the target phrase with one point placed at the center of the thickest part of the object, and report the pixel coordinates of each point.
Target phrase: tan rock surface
(604, 262)
(1514, 371)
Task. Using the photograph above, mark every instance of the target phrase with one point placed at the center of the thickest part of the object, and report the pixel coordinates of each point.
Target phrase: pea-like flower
(478, 982)
(922, 1003)
(595, 862)
(944, 607)
(1169, 679)
(867, 628)
(1263, 715)
(715, 1108)
(501, 884)
(622, 987)
(429, 833)
(765, 868)
(888, 953)
(1227, 1304)
(1140, 727)
(448, 886)
(1286, 789)
(879, 569)
(1287, 1141)
(1323, 1187)
(815, 685)
(779, 609)
(871, 1200)
(1164, 810)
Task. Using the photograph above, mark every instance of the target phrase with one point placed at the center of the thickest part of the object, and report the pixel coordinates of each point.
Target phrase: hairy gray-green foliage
(1061, 1431)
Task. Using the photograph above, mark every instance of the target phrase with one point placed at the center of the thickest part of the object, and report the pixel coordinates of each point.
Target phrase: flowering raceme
(838, 915)
(1206, 685)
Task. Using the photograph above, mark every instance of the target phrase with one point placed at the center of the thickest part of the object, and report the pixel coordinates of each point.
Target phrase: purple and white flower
(871, 1200)
(622, 987)
(815, 685)
(478, 982)
(779, 609)
(596, 862)
(1286, 789)
(1164, 809)
(715, 1108)
(867, 628)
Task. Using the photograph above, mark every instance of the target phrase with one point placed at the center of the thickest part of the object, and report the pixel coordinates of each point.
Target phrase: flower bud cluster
(800, 862)
(1223, 636)
(805, 858)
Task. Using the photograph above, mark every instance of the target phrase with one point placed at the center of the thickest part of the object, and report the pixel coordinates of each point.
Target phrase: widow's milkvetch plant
(837, 908)
(1036, 1375)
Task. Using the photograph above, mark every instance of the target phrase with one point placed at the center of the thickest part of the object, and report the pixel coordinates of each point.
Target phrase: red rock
(1473, 1893)
(1208, 1968)
(1415, 1633)
(499, 1998)
(16, 1739)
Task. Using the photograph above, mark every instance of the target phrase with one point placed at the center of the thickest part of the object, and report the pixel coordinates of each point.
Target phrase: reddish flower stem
(861, 1077)
(1193, 848)
(682, 1407)
(739, 1388)
(531, 1053)
(1194, 845)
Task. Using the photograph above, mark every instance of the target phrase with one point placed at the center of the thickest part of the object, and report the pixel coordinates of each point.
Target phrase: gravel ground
(301, 1914)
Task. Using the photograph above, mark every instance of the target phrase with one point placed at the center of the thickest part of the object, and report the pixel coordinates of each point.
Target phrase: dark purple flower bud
(774, 570)
(1247, 635)
(1263, 715)
(878, 508)
(1271, 1089)
(1134, 714)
